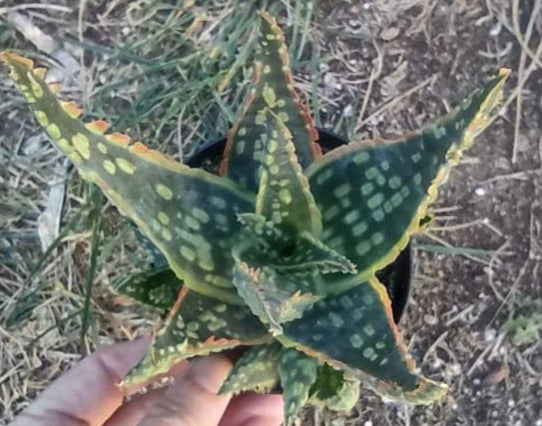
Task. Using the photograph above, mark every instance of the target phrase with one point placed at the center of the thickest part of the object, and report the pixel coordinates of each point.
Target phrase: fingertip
(254, 409)
(192, 398)
(121, 357)
(209, 372)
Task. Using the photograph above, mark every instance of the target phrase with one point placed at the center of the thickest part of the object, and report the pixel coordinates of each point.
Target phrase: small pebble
(455, 369)
(389, 34)
(430, 319)
(490, 335)
(348, 111)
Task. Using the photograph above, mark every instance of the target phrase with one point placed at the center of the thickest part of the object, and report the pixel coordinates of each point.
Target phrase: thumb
(192, 399)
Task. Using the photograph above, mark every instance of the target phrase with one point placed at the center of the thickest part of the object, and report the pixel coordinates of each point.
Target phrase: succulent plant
(279, 253)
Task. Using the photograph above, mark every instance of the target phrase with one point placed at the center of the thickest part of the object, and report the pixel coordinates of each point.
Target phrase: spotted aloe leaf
(256, 370)
(372, 195)
(285, 241)
(156, 287)
(262, 291)
(273, 89)
(197, 325)
(293, 254)
(297, 374)
(278, 273)
(189, 214)
(284, 196)
(354, 332)
(334, 390)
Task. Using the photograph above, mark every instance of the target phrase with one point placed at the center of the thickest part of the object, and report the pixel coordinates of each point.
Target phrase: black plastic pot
(396, 277)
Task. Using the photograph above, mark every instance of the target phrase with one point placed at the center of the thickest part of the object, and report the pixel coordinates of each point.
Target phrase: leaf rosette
(278, 253)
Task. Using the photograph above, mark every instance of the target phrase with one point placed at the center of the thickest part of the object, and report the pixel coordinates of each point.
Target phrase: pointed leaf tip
(504, 72)
(14, 59)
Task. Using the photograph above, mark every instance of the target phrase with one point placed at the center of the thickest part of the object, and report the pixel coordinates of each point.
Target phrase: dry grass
(173, 76)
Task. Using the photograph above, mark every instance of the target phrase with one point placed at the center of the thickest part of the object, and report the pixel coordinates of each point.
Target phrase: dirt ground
(475, 315)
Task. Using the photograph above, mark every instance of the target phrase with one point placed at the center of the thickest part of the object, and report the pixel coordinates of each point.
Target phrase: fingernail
(209, 372)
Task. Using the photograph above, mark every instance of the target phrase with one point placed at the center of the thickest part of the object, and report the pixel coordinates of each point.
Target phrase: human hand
(88, 395)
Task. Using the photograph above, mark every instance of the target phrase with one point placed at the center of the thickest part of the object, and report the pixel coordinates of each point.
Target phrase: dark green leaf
(261, 290)
(333, 390)
(284, 196)
(297, 374)
(256, 370)
(197, 325)
(156, 287)
(190, 215)
(290, 253)
(372, 195)
(273, 89)
(355, 332)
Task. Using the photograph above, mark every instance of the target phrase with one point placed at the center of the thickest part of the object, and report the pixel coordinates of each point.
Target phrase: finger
(192, 399)
(254, 410)
(133, 411)
(88, 394)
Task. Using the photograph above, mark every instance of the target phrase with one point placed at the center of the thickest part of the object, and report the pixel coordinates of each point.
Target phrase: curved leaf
(297, 254)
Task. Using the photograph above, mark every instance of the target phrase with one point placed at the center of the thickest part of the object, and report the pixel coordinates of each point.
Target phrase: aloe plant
(279, 252)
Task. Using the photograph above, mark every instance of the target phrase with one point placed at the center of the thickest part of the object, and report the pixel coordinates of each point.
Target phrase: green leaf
(287, 253)
(190, 215)
(284, 195)
(197, 325)
(156, 287)
(297, 374)
(355, 332)
(372, 195)
(256, 370)
(279, 275)
(333, 390)
(273, 88)
(259, 288)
